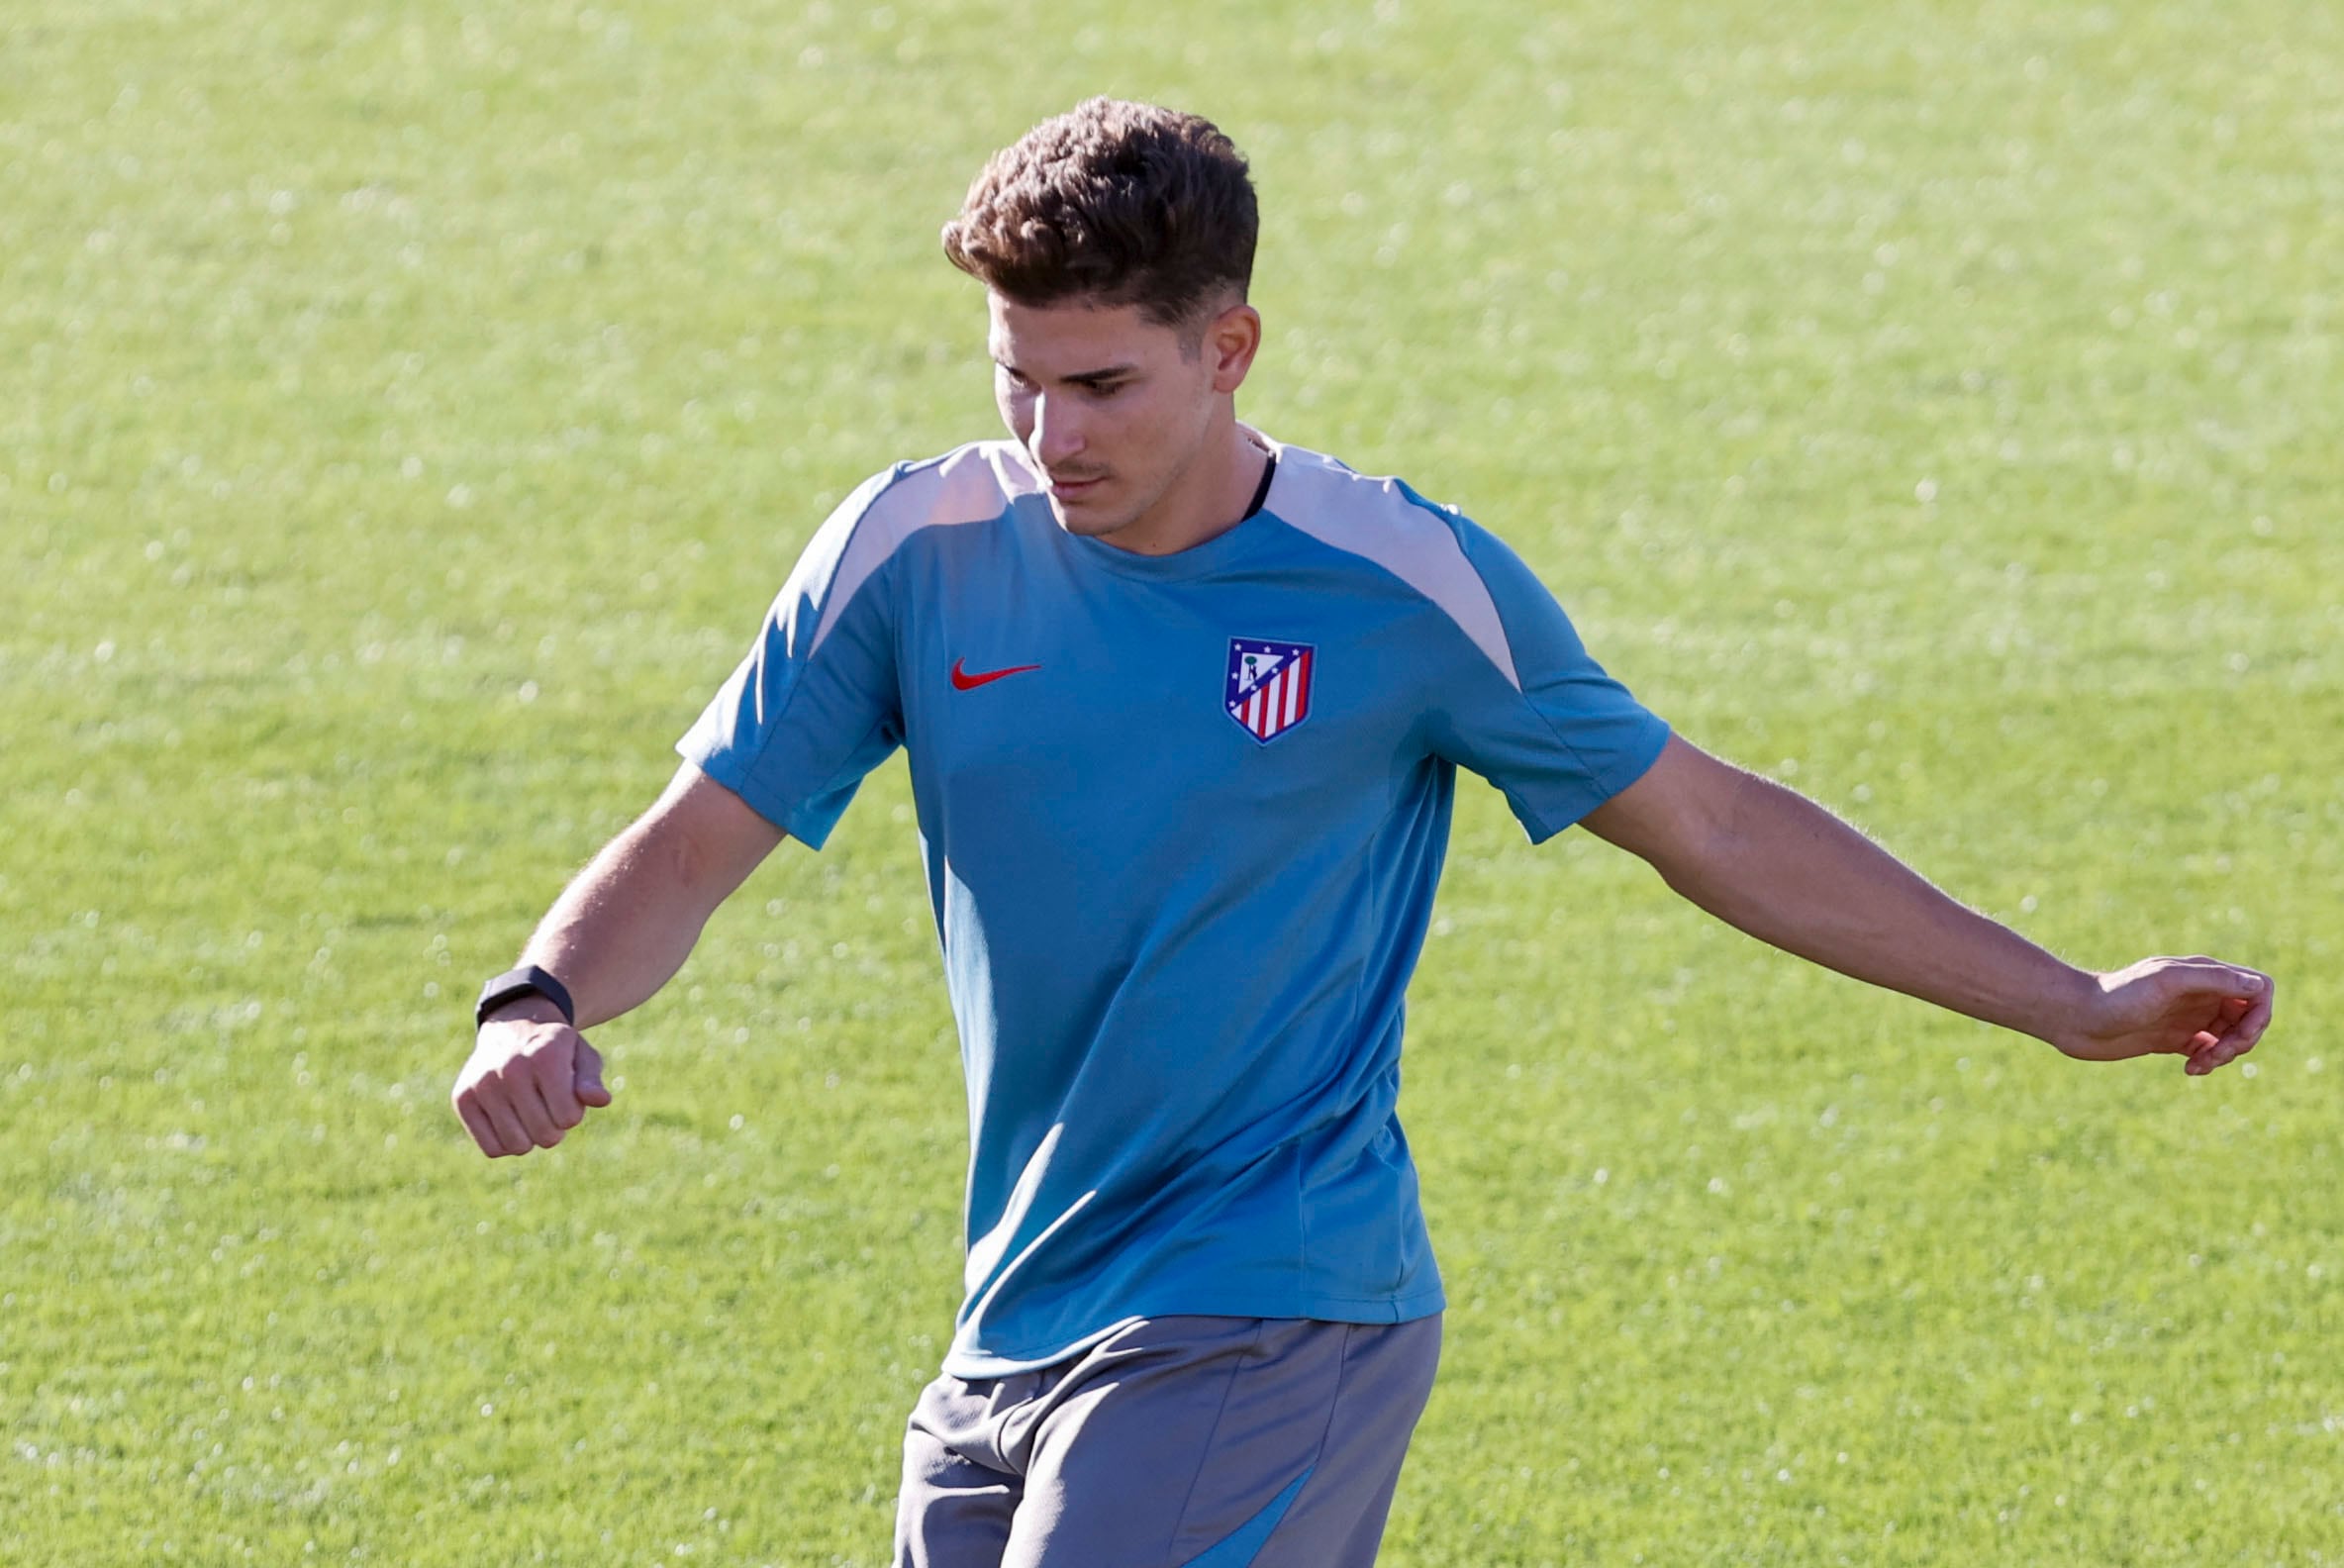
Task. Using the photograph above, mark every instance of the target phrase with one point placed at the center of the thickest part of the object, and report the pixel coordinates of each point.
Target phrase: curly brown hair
(1115, 202)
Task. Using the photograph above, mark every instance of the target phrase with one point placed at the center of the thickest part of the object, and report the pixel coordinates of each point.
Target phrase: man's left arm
(1776, 865)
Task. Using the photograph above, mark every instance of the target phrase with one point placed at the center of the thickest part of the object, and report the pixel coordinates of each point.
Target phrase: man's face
(1114, 408)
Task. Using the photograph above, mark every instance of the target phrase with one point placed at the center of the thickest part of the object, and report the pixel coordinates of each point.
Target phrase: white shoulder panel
(975, 483)
(1380, 520)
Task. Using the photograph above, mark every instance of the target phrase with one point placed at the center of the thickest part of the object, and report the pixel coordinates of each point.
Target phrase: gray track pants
(1178, 1442)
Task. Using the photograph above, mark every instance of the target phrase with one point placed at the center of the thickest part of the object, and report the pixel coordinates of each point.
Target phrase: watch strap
(528, 980)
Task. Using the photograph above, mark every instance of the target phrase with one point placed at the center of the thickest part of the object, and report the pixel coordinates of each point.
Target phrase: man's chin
(1087, 521)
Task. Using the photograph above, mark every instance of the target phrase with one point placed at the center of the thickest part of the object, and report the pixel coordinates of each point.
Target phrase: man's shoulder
(1385, 523)
(972, 483)
(975, 483)
(1325, 496)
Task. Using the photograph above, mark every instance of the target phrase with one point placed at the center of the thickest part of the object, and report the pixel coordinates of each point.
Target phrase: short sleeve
(816, 704)
(1554, 732)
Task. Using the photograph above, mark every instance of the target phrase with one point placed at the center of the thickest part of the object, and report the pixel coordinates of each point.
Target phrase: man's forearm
(626, 922)
(1791, 874)
(622, 928)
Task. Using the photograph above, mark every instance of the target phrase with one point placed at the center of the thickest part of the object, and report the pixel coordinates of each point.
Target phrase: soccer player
(1184, 709)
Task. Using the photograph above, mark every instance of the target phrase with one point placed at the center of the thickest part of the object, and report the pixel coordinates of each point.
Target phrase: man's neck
(1213, 497)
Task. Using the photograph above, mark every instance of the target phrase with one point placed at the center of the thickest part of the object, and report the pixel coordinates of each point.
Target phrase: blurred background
(406, 412)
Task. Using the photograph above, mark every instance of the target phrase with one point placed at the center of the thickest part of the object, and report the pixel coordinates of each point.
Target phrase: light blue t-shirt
(1182, 818)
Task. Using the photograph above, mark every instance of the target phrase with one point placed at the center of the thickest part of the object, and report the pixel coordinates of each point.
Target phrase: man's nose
(1057, 430)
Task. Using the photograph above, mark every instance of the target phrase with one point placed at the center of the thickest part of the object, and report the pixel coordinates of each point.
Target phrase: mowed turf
(407, 412)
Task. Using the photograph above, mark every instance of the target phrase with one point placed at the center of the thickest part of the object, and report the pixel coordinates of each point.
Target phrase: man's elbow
(1686, 816)
(704, 838)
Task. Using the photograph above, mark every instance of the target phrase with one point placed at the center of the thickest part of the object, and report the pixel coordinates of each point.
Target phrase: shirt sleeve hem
(791, 817)
(1630, 768)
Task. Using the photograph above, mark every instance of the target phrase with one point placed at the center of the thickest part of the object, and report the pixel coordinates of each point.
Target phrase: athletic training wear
(1182, 817)
(1179, 1442)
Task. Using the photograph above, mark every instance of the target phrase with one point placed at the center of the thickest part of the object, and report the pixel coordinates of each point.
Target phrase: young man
(1185, 709)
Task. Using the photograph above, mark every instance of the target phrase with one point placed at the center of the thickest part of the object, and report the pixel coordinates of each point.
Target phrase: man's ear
(1231, 338)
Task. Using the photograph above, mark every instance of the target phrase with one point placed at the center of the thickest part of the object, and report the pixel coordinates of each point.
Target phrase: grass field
(407, 410)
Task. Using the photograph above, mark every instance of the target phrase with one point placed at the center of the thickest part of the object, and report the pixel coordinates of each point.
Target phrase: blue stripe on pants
(1236, 1550)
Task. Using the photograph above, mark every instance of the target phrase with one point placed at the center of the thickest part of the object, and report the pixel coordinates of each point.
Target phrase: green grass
(408, 412)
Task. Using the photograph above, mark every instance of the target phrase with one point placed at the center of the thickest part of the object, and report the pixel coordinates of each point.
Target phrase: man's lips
(1069, 489)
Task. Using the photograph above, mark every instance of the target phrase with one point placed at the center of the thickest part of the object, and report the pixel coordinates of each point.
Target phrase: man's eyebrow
(1086, 378)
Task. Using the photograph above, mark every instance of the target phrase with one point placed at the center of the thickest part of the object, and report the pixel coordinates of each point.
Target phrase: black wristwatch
(528, 980)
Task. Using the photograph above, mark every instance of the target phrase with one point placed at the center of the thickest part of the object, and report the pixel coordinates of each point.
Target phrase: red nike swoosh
(962, 680)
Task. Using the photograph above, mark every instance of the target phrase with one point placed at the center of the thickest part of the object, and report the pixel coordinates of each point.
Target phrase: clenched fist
(531, 1079)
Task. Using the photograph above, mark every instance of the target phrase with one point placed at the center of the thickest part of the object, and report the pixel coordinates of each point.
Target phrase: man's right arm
(619, 933)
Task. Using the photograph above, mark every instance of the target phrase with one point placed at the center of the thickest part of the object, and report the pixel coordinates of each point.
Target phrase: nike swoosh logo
(962, 680)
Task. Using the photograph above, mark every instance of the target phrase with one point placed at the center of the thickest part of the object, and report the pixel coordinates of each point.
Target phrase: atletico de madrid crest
(1269, 686)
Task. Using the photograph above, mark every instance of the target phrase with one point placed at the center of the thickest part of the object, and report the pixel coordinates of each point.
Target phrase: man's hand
(531, 1079)
(2209, 1012)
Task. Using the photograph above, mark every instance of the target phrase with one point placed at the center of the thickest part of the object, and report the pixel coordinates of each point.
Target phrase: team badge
(1269, 686)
